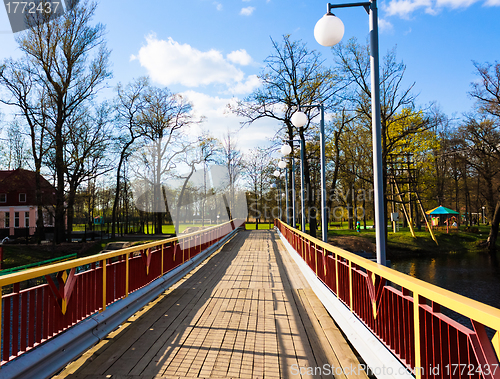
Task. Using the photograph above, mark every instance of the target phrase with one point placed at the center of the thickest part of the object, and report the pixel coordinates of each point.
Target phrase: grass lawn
(402, 242)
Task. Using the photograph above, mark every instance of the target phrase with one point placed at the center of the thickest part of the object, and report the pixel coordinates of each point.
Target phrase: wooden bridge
(247, 312)
(230, 303)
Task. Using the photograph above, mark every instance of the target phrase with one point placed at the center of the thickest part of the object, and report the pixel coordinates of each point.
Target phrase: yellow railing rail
(18, 323)
(479, 313)
(67, 265)
(483, 313)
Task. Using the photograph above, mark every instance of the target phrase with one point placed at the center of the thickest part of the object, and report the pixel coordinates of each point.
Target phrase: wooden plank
(323, 353)
(247, 312)
(345, 355)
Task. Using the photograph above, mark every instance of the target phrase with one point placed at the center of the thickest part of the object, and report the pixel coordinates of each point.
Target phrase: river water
(474, 275)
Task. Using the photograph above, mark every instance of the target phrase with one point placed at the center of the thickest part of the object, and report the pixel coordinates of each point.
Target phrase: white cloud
(404, 8)
(455, 3)
(169, 62)
(385, 25)
(240, 57)
(218, 121)
(247, 11)
(218, 6)
(248, 86)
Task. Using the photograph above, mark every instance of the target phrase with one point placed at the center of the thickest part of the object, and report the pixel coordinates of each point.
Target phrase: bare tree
(65, 63)
(161, 122)
(129, 106)
(397, 101)
(85, 155)
(15, 150)
(232, 158)
(256, 170)
(486, 91)
(294, 76)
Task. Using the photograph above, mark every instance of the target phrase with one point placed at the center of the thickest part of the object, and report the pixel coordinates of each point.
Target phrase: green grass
(148, 229)
(403, 243)
(262, 226)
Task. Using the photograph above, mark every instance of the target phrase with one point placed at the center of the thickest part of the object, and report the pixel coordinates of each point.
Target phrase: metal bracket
(366, 5)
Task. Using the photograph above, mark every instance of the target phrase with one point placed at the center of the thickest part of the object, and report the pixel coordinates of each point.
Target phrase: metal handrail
(485, 314)
(47, 270)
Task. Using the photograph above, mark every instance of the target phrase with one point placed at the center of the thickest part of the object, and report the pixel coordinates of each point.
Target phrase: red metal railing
(429, 343)
(40, 303)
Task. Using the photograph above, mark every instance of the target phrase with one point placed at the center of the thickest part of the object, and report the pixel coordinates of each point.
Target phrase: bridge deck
(247, 312)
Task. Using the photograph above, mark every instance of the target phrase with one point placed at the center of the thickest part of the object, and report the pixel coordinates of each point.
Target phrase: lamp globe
(299, 119)
(286, 149)
(329, 30)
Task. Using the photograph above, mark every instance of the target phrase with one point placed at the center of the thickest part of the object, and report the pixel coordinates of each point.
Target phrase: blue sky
(211, 51)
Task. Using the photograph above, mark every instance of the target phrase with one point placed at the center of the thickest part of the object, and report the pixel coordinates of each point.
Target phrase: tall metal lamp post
(299, 119)
(285, 150)
(282, 165)
(277, 175)
(329, 31)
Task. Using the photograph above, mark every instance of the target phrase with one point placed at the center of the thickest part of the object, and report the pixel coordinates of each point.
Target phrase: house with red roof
(18, 206)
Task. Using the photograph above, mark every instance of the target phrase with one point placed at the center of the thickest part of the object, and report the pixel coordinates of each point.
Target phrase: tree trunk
(492, 238)
(60, 222)
(117, 195)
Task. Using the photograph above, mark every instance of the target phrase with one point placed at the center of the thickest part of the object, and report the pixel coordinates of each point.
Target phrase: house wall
(22, 210)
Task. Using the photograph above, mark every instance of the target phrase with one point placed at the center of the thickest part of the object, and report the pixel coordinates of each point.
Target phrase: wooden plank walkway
(247, 312)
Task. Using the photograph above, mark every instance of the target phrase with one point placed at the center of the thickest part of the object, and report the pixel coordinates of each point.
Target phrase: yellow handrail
(483, 313)
(57, 267)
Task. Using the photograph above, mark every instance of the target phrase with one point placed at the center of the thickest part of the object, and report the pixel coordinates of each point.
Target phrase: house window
(22, 198)
(26, 219)
(16, 219)
(3, 197)
(7, 219)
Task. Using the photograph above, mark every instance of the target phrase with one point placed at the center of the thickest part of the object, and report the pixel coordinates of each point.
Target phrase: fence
(429, 343)
(74, 290)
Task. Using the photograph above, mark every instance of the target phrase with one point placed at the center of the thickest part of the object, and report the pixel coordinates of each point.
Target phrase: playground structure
(403, 178)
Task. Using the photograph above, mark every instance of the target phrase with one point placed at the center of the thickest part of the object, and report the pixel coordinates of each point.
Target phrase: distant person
(358, 226)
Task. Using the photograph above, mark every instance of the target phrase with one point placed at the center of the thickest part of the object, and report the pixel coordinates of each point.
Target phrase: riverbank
(402, 244)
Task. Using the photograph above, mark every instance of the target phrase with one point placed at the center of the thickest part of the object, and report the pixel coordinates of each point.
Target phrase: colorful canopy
(441, 211)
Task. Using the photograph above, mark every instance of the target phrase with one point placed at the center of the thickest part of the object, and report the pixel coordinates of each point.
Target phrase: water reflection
(473, 275)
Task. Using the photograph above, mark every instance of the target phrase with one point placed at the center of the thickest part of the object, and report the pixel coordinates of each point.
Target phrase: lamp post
(328, 31)
(277, 175)
(286, 149)
(282, 165)
(299, 121)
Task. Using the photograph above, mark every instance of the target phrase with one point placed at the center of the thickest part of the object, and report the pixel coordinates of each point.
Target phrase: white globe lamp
(299, 119)
(276, 173)
(286, 149)
(282, 164)
(329, 30)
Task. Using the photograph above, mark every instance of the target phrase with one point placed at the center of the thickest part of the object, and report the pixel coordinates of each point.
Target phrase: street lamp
(282, 165)
(328, 31)
(277, 175)
(303, 213)
(299, 119)
(286, 150)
